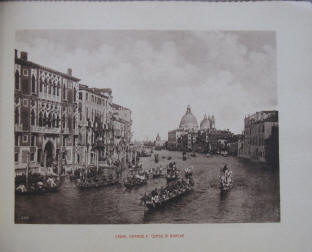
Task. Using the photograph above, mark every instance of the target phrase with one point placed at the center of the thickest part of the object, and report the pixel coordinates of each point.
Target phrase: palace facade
(46, 125)
(61, 124)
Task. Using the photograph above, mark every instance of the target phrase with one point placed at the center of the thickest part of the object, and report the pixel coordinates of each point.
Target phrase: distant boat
(135, 181)
(156, 156)
(96, 184)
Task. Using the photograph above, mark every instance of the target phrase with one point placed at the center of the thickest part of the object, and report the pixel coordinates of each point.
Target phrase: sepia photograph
(146, 127)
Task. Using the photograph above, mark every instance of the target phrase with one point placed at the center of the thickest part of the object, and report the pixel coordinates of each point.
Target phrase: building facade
(61, 125)
(95, 125)
(260, 137)
(122, 134)
(46, 117)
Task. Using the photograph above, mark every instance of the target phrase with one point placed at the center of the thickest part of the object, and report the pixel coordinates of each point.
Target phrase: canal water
(254, 198)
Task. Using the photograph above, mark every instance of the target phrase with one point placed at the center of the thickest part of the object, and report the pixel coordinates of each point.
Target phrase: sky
(158, 73)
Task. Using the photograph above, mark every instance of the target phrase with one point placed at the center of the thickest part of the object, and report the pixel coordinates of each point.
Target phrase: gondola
(152, 202)
(226, 182)
(130, 185)
(74, 177)
(144, 154)
(37, 188)
(225, 189)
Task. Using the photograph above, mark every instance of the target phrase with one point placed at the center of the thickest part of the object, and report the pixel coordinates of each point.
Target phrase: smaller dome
(205, 124)
(188, 121)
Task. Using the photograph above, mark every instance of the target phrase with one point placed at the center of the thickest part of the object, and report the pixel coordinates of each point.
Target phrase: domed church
(189, 134)
(207, 122)
(188, 121)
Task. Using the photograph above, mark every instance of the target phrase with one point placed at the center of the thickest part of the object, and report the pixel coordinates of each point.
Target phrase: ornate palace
(60, 123)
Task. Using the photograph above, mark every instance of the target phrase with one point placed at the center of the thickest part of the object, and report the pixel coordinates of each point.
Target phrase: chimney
(24, 55)
(69, 71)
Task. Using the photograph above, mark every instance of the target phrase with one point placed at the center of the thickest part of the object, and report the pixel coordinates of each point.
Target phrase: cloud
(158, 73)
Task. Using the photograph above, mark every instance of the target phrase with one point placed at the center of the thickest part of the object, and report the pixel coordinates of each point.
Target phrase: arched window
(32, 119)
(33, 84)
(49, 120)
(80, 138)
(41, 81)
(63, 121)
(50, 89)
(40, 119)
(53, 121)
(75, 93)
(64, 94)
(57, 121)
(16, 116)
(58, 89)
(16, 79)
(44, 120)
(74, 122)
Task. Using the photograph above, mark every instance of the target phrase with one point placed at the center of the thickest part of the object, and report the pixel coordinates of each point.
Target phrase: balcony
(18, 127)
(46, 130)
(65, 131)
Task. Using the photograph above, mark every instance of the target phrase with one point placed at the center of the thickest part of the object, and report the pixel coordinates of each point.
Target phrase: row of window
(256, 140)
(51, 89)
(255, 129)
(51, 120)
(94, 99)
(24, 158)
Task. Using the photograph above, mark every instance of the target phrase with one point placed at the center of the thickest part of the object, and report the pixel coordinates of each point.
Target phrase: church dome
(188, 121)
(205, 124)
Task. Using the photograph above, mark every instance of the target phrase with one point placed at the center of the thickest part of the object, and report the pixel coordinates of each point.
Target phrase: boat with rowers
(97, 181)
(161, 197)
(94, 177)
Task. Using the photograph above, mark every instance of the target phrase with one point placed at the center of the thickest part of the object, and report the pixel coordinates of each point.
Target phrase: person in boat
(51, 183)
(226, 177)
(21, 188)
(225, 169)
(40, 184)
